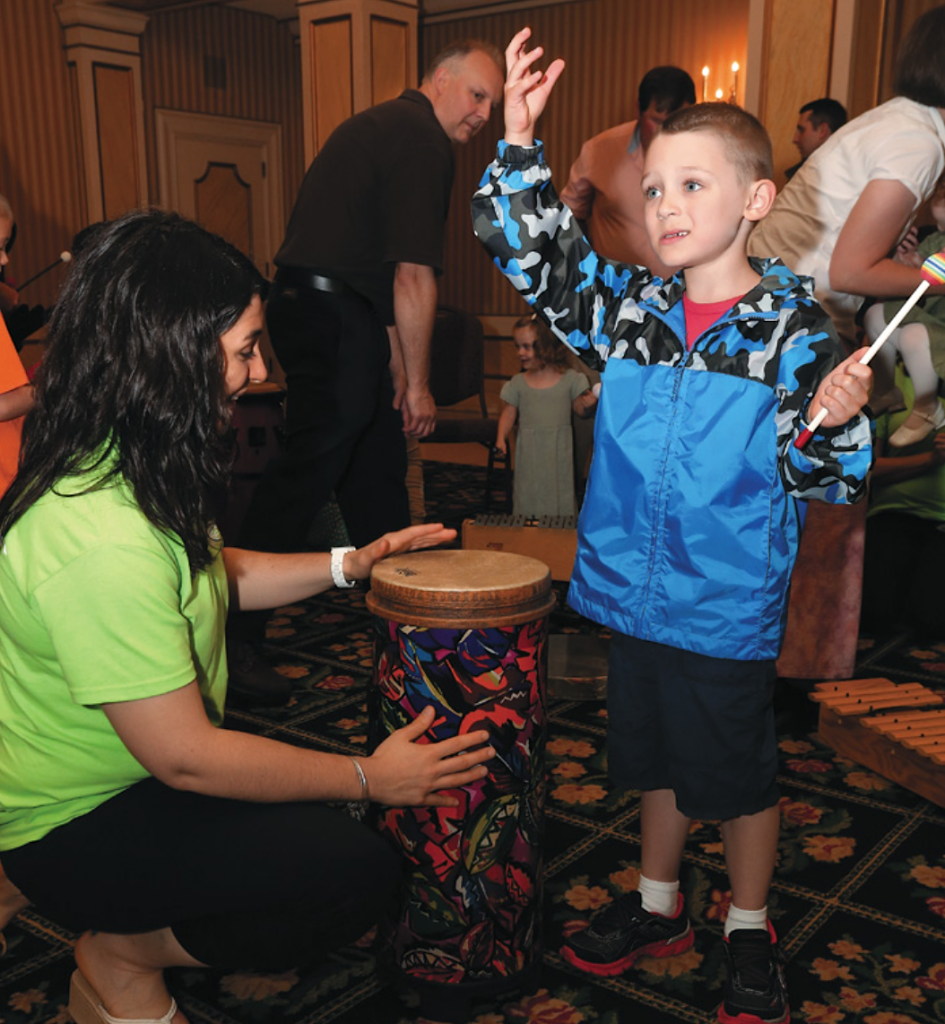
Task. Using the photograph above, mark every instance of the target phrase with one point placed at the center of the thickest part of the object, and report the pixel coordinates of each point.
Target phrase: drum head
(451, 588)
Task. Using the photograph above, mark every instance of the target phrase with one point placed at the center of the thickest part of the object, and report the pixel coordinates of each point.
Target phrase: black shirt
(377, 194)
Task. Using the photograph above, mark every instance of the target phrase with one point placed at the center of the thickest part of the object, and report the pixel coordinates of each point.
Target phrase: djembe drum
(466, 631)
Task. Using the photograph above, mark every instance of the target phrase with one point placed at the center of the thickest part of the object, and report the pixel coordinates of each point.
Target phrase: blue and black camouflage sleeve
(834, 465)
(536, 243)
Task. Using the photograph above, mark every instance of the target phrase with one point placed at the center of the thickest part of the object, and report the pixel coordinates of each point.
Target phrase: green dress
(544, 446)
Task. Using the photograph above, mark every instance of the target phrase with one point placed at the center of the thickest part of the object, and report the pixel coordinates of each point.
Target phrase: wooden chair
(456, 376)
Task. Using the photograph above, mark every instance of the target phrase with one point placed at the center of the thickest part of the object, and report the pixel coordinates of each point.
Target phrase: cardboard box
(552, 540)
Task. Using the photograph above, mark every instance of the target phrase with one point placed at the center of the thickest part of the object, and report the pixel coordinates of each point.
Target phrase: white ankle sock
(738, 918)
(658, 897)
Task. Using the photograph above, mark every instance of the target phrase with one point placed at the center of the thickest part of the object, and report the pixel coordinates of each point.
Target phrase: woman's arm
(860, 264)
(259, 579)
(171, 736)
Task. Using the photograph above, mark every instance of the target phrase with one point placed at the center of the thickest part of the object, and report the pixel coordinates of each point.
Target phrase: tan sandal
(917, 426)
(86, 1007)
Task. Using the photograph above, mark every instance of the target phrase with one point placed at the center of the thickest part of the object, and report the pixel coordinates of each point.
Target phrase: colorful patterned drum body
(466, 631)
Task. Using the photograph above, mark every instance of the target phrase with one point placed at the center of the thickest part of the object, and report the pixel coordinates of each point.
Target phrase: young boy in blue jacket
(689, 530)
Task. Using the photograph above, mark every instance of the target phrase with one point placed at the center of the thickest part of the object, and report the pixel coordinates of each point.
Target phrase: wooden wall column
(355, 53)
(791, 48)
(103, 50)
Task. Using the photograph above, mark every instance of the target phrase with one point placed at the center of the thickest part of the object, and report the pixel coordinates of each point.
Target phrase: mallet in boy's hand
(933, 272)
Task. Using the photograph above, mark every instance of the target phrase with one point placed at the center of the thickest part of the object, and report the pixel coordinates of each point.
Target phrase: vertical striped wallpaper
(608, 45)
(259, 60)
(40, 157)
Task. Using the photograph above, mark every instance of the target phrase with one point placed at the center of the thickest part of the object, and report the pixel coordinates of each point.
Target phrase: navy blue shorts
(700, 726)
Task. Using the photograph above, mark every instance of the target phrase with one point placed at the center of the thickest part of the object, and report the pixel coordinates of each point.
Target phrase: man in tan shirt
(604, 190)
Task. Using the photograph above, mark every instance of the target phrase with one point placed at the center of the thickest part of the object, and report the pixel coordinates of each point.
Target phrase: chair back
(456, 358)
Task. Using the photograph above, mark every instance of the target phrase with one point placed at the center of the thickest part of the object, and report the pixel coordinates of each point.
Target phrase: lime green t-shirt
(96, 606)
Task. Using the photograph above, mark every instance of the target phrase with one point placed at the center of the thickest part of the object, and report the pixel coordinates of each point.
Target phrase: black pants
(342, 433)
(241, 885)
(903, 569)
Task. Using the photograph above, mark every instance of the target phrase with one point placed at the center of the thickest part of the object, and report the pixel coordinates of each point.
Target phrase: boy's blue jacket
(689, 529)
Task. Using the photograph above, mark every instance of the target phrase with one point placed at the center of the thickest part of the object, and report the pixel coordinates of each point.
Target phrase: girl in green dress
(542, 398)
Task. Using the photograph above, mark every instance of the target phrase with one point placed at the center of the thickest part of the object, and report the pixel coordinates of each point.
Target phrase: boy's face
(695, 203)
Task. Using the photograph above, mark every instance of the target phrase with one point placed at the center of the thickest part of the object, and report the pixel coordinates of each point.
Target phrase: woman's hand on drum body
(404, 772)
(358, 564)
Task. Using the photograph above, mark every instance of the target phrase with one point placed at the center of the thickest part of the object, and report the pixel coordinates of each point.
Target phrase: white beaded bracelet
(337, 571)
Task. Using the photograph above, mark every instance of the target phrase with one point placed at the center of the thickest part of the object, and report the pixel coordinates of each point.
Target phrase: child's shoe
(917, 426)
(755, 992)
(623, 931)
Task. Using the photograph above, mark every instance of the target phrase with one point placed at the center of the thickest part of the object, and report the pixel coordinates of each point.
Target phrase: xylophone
(896, 729)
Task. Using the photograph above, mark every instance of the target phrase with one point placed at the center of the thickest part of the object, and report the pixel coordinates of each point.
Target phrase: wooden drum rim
(451, 588)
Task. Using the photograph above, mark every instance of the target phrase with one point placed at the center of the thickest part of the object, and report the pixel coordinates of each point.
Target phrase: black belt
(299, 277)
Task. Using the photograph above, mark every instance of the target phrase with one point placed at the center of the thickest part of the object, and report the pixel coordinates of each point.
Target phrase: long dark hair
(132, 379)
(920, 68)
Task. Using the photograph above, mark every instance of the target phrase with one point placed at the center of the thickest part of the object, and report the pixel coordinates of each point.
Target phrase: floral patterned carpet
(858, 897)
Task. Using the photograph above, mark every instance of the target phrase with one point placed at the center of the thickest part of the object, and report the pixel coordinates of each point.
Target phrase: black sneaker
(623, 931)
(755, 992)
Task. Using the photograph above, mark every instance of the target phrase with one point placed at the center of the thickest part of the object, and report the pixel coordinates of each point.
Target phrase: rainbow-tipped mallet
(933, 272)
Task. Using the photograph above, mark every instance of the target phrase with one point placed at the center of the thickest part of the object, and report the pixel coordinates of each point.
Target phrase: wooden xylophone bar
(896, 729)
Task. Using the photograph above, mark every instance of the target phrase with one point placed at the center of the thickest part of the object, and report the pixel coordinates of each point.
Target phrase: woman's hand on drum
(358, 564)
(404, 772)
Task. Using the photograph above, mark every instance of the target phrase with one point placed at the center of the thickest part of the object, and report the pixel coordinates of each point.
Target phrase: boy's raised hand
(526, 91)
(844, 391)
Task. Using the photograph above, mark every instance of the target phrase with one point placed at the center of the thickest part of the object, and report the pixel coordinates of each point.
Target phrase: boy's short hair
(743, 135)
(920, 66)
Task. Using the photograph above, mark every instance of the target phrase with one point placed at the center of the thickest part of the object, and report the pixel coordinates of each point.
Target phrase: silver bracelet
(362, 778)
(337, 571)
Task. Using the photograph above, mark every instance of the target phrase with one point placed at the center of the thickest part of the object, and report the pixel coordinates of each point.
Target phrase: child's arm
(506, 422)
(906, 250)
(584, 399)
(17, 402)
(526, 91)
(843, 392)
(533, 237)
(584, 404)
(833, 466)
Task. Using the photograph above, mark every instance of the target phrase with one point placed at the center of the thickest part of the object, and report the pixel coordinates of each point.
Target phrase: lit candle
(705, 82)
(734, 96)
(718, 94)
